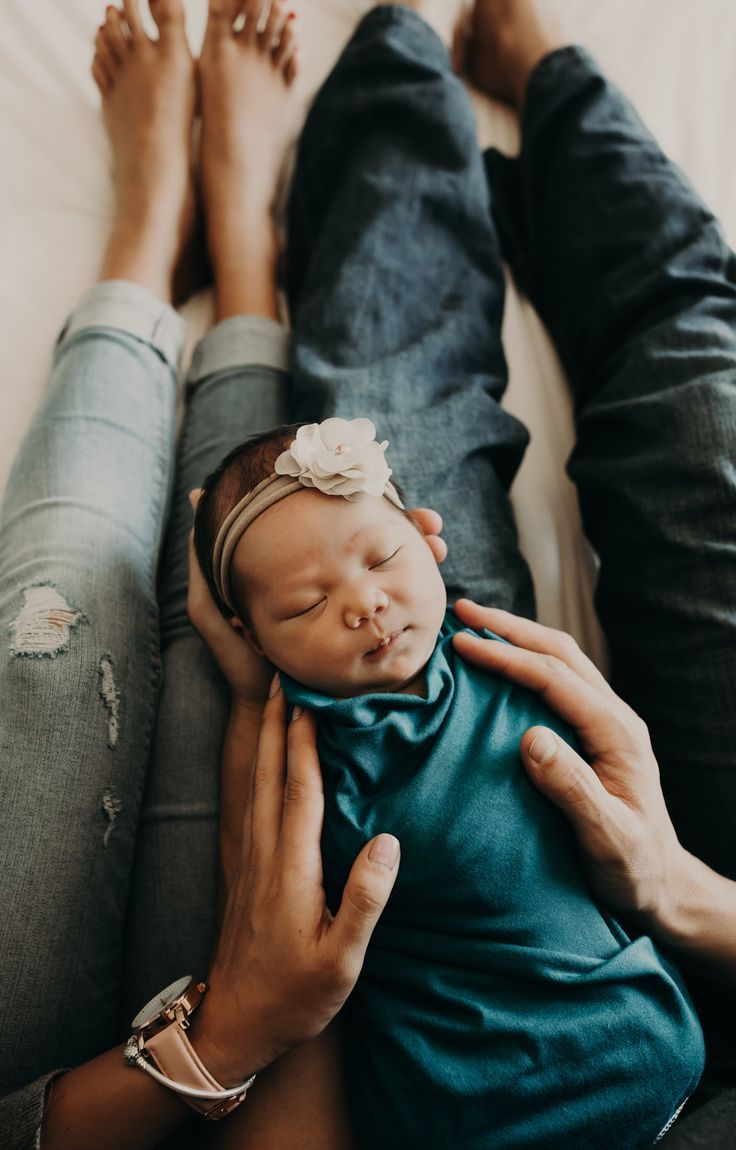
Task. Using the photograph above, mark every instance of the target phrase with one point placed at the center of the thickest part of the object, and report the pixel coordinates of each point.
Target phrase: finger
(304, 803)
(430, 521)
(560, 773)
(567, 780)
(198, 593)
(269, 776)
(437, 546)
(366, 893)
(601, 720)
(532, 636)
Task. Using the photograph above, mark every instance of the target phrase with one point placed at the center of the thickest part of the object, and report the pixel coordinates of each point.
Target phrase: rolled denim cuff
(562, 69)
(129, 307)
(21, 1114)
(241, 341)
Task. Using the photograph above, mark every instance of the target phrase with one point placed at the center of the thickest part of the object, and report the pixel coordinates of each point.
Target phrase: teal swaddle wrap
(499, 1007)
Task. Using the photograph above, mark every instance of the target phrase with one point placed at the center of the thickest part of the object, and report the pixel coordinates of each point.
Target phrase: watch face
(160, 1002)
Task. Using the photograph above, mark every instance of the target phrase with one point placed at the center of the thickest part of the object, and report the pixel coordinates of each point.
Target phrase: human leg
(396, 290)
(81, 527)
(237, 387)
(630, 272)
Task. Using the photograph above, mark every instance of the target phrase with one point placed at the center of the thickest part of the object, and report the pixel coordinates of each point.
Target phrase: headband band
(336, 457)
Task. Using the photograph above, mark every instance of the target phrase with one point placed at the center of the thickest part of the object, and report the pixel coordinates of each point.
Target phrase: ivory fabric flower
(338, 457)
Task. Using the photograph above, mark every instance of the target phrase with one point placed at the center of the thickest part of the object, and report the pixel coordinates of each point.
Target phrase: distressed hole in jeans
(44, 624)
(111, 698)
(112, 806)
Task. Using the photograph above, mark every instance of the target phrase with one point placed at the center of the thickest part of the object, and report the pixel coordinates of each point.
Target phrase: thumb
(564, 777)
(366, 893)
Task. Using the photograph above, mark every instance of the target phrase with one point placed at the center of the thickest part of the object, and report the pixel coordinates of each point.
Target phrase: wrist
(245, 705)
(677, 918)
(231, 1054)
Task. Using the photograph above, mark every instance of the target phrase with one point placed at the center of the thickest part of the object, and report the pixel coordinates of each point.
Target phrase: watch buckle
(181, 1016)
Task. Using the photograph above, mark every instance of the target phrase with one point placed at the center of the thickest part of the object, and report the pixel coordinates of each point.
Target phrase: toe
(220, 16)
(104, 51)
(274, 24)
(169, 17)
(133, 17)
(116, 38)
(101, 76)
(291, 68)
(287, 42)
(252, 11)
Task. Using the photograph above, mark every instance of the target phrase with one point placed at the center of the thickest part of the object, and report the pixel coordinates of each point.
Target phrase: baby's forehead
(310, 527)
(334, 514)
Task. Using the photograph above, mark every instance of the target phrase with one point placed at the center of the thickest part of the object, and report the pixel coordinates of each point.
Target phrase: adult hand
(614, 800)
(431, 524)
(284, 965)
(247, 673)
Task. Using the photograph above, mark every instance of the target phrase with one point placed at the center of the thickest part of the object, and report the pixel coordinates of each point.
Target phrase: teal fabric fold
(499, 1006)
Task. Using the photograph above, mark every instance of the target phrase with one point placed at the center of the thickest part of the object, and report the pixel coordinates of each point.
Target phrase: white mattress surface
(675, 59)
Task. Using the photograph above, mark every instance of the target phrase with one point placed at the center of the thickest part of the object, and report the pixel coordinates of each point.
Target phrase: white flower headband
(337, 457)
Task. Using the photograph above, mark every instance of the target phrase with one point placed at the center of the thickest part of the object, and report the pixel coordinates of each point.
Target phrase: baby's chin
(407, 680)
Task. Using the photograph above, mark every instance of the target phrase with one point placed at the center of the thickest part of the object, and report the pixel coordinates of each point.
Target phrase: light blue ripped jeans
(84, 658)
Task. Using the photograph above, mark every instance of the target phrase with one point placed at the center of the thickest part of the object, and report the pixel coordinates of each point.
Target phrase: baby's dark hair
(239, 472)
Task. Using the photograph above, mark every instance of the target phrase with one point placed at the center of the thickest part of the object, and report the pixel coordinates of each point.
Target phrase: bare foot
(250, 104)
(148, 96)
(508, 39)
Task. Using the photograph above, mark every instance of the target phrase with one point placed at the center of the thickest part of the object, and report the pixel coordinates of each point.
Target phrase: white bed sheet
(675, 59)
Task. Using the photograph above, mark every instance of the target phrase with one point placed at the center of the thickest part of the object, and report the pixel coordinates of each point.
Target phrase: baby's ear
(247, 633)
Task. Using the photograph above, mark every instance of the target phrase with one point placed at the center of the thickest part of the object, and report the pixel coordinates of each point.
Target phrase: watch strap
(176, 1058)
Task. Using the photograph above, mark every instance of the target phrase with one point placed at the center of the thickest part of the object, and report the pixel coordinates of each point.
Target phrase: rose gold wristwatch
(159, 1036)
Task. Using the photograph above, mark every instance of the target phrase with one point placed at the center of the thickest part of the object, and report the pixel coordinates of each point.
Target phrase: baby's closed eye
(388, 559)
(305, 610)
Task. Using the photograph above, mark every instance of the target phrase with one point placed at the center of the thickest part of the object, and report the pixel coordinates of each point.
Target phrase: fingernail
(291, 16)
(297, 712)
(543, 747)
(385, 850)
(275, 684)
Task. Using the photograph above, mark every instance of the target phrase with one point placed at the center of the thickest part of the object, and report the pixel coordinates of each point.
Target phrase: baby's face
(346, 597)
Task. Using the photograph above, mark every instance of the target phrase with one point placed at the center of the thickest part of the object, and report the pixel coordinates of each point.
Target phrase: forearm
(107, 1105)
(238, 754)
(698, 919)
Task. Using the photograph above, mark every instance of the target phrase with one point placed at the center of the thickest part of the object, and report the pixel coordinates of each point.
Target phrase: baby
(499, 1006)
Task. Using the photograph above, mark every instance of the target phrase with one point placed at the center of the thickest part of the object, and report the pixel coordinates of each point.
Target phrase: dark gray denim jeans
(394, 277)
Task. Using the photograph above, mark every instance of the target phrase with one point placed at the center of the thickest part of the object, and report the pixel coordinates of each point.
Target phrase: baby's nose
(365, 605)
